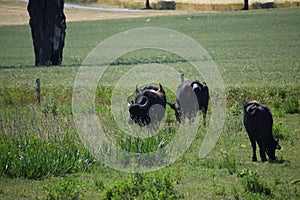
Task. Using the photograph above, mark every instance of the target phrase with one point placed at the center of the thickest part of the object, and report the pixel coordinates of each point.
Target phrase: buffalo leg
(204, 115)
(262, 152)
(263, 155)
(254, 157)
(253, 144)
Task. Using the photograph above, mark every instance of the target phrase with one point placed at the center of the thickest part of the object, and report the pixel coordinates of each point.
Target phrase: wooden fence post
(38, 91)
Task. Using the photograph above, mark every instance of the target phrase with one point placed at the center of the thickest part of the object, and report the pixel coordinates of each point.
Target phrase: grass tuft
(253, 183)
(65, 188)
(143, 186)
(228, 162)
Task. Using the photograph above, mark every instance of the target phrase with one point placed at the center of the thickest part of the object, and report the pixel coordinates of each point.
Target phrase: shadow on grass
(279, 161)
(39, 66)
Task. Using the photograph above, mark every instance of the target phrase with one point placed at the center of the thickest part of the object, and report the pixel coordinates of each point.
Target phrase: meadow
(42, 157)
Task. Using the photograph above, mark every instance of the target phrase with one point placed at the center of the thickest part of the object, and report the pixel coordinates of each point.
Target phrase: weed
(234, 120)
(49, 105)
(236, 109)
(296, 181)
(209, 163)
(143, 186)
(99, 184)
(280, 131)
(235, 194)
(291, 105)
(287, 189)
(103, 95)
(277, 102)
(229, 162)
(253, 183)
(148, 144)
(219, 189)
(65, 188)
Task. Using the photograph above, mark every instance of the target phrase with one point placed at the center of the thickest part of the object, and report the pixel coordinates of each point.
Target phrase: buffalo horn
(137, 90)
(161, 89)
(128, 101)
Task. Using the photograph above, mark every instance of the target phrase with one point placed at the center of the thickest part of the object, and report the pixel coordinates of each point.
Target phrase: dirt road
(13, 13)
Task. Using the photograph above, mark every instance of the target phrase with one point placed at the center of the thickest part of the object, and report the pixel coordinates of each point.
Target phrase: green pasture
(257, 53)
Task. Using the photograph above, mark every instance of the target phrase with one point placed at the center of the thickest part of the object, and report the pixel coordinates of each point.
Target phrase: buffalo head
(271, 148)
(148, 106)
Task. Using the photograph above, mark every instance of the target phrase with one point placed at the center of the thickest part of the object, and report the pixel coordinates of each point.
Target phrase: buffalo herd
(149, 104)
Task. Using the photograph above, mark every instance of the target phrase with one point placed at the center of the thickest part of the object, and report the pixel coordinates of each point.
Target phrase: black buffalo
(192, 96)
(258, 122)
(148, 106)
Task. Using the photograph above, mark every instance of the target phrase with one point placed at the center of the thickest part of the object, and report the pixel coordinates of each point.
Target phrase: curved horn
(161, 89)
(128, 101)
(251, 109)
(137, 91)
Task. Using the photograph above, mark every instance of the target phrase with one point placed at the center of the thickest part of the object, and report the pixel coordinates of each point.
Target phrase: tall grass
(33, 158)
(35, 144)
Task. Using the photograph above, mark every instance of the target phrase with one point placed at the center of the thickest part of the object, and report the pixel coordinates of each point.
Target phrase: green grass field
(257, 53)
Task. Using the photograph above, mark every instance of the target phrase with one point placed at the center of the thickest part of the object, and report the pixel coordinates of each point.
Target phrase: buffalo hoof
(263, 160)
(130, 121)
(254, 159)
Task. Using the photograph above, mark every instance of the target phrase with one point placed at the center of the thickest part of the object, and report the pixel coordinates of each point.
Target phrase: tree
(48, 25)
(148, 5)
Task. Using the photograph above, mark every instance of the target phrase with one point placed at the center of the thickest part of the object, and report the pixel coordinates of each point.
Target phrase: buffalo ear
(277, 144)
(195, 85)
(245, 104)
(278, 147)
(182, 77)
(204, 85)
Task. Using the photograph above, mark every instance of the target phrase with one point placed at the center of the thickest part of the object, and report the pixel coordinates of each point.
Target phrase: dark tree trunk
(48, 25)
(246, 5)
(148, 5)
